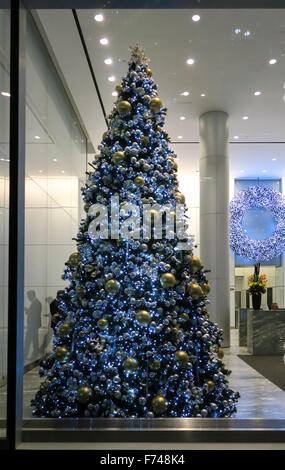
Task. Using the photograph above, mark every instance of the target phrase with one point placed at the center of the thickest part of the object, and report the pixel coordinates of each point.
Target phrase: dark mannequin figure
(33, 313)
(54, 308)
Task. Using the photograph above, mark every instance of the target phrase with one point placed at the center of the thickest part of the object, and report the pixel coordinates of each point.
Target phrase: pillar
(214, 214)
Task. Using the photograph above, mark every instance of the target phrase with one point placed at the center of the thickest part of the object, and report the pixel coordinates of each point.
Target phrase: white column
(214, 214)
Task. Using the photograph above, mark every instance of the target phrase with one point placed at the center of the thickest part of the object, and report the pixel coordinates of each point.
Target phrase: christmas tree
(133, 336)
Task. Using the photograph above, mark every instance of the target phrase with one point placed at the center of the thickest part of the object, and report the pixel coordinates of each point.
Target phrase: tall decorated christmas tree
(133, 336)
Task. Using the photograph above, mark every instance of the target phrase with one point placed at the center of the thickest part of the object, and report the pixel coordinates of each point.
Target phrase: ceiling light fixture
(180, 137)
(196, 18)
(37, 137)
(245, 118)
(114, 93)
(237, 30)
(272, 61)
(246, 33)
(112, 78)
(274, 159)
(190, 61)
(5, 93)
(263, 171)
(203, 94)
(62, 171)
(99, 18)
(236, 137)
(55, 159)
(257, 93)
(185, 93)
(104, 41)
(182, 118)
(108, 61)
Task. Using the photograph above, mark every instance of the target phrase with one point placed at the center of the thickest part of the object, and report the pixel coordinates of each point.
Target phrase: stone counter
(265, 332)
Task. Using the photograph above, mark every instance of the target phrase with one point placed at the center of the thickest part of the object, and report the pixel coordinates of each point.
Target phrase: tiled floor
(259, 397)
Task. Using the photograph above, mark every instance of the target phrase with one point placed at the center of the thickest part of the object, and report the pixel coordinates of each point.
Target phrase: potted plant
(257, 285)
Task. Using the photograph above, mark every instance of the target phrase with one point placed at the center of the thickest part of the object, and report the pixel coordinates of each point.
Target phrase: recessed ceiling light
(195, 18)
(114, 93)
(37, 137)
(246, 33)
(182, 118)
(245, 118)
(237, 30)
(55, 159)
(104, 41)
(203, 94)
(180, 137)
(62, 171)
(190, 61)
(5, 93)
(236, 137)
(272, 61)
(112, 78)
(263, 171)
(274, 159)
(2, 159)
(185, 93)
(108, 61)
(257, 93)
(99, 18)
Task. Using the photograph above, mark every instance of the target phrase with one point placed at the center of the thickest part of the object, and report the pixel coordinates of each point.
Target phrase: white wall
(4, 214)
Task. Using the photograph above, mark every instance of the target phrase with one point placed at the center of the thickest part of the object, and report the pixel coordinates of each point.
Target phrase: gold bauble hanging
(60, 353)
(118, 157)
(143, 317)
(195, 290)
(220, 353)
(144, 140)
(102, 323)
(80, 291)
(148, 72)
(83, 395)
(180, 198)
(211, 385)
(105, 135)
(168, 280)
(206, 288)
(131, 364)
(155, 105)
(185, 316)
(118, 88)
(74, 259)
(139, 181)
(112, 286)
(182, 358)
(124, 107)
(159, 129)
(64, 330)
(154, 364)
(55, 318)
(195, 264)
(159, 405)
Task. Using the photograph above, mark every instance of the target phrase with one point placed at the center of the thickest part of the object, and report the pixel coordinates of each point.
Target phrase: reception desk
(264, 330)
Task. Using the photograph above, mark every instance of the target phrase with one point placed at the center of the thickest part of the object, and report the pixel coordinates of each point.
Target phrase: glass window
(4, 204)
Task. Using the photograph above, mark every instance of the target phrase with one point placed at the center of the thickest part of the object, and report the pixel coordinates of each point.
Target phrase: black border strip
(76, 19)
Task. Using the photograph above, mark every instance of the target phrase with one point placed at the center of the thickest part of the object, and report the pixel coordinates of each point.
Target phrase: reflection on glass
(4, 204)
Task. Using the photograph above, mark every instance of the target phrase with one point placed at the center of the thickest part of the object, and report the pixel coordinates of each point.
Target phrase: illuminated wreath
(240, 243)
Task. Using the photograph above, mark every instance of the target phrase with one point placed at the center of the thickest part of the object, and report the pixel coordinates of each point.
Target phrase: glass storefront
(74, 69)
(4, 205)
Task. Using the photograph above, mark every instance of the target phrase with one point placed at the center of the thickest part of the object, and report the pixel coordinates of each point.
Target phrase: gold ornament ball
(112, 286)
(144, 140)
(195, 290)
(80, 291)
(74, 259)
(154, 364)
(195, 264)
(64, 330)
(60, 353)
(83, 395)
(55, 318)
(86, 207)
(168, 280)
(180, 198)
(118, 157)
(211, 385)
(124, 107)
(159, 405)
(139, 181)
(206, 288)
(118, 88)
(102, 323)
(131, 364)
(182, 358)
(143, 317)
(207, 314)
(148, 72)
(159, 129)
(105, 135)
(220, 353)
(153, 213)
(185, 316)
(155, 105)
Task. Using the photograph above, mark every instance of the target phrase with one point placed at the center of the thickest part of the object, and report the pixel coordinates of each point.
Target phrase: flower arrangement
(257, 283)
